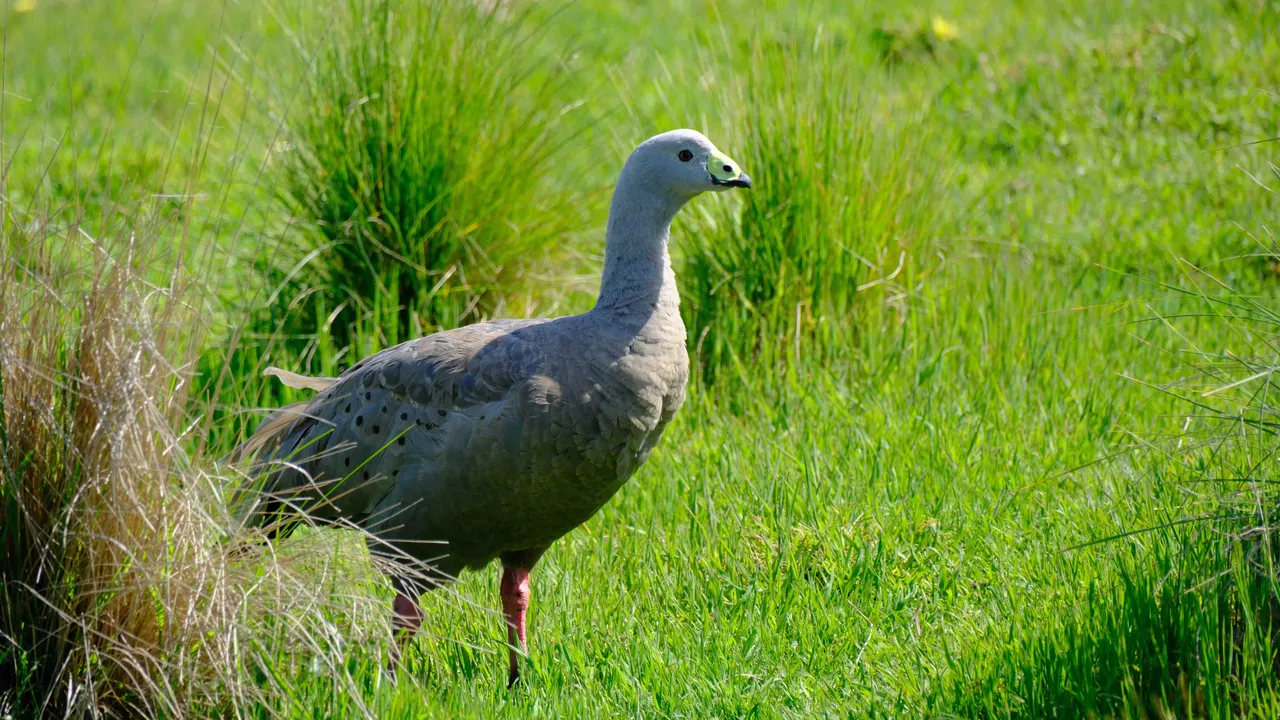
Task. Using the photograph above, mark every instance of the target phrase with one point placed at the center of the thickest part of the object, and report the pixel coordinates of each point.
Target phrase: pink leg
(406, 619)
(515, 601)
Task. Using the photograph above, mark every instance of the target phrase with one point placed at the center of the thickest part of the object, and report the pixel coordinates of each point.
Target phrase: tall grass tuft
(843, 208)
(422, 157)
(88, 400)
(117, 592)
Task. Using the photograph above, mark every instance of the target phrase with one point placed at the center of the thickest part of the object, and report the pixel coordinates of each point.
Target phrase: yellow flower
(944, 30)
(24, 6)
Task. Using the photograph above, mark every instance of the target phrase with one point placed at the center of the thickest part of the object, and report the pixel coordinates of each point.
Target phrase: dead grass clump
(118, 596)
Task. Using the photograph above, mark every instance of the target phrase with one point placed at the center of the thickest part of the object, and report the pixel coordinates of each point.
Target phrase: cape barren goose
(495, 439)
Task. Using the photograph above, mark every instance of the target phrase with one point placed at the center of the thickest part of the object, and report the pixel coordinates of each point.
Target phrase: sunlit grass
(882, 499)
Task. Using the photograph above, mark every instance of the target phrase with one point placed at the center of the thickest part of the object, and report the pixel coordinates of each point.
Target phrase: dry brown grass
(118, 594)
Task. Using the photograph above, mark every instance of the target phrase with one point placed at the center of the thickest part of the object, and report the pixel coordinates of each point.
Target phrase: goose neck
(638, 280)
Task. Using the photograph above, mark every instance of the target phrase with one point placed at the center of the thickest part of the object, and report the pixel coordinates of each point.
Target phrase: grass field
(982, 422)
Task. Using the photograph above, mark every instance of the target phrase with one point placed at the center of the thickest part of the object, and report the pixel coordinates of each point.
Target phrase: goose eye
(685, 156)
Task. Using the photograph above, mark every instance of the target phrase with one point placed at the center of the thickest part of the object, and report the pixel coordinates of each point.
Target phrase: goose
(493, 440)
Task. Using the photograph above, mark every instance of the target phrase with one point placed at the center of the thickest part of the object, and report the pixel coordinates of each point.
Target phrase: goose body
(495, 439)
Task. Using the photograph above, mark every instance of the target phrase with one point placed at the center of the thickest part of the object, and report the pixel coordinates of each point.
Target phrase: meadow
(981, 422)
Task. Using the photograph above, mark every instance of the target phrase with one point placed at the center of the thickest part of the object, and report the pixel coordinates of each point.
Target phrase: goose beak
(725, 172)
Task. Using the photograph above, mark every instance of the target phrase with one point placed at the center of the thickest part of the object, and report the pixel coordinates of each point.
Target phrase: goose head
(683, 164)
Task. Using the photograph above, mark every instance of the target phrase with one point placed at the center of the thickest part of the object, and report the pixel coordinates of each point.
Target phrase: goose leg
(515, 602)
(406, 619)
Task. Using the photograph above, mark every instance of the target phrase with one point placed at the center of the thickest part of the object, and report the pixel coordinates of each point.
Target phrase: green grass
(430, 207)
(842, 206)
(895, 523)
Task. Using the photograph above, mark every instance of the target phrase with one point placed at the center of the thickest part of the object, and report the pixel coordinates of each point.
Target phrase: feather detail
(300, 382)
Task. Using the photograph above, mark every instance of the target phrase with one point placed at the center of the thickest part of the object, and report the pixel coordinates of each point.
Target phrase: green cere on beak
(724, 171)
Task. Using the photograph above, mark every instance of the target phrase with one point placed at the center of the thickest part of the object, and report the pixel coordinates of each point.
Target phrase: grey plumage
(497, 438)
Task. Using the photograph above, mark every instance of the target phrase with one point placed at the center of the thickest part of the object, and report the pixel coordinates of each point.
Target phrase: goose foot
(406, 619)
